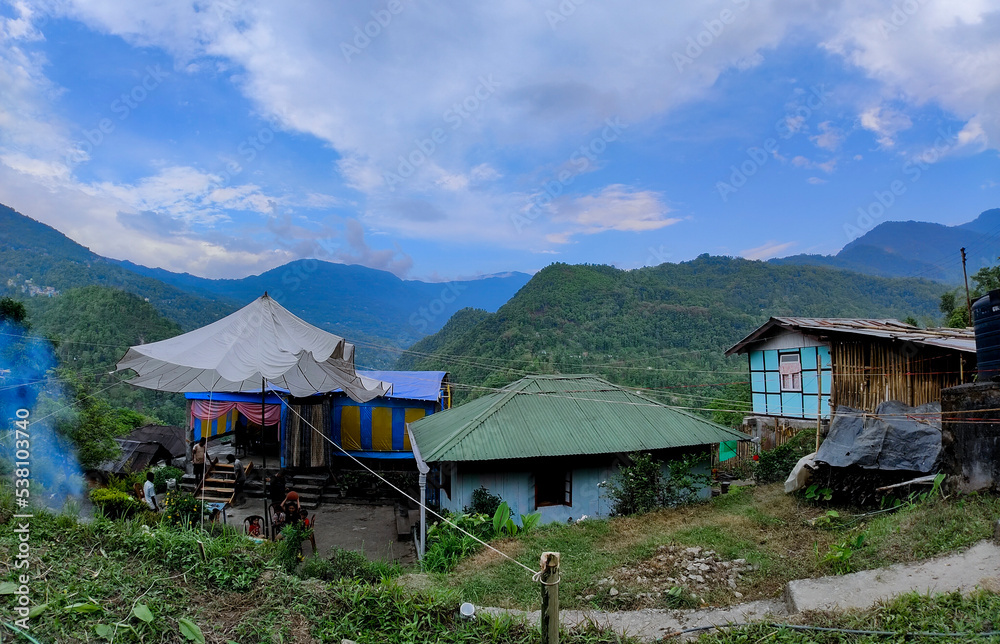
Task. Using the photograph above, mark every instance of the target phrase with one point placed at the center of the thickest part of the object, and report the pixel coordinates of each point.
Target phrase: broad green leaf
(142, 612)
(84, 607)
(103, 630)
(190, 631)
(7, 588)
(37, 610)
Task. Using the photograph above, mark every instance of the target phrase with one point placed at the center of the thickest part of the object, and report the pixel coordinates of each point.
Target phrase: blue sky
(443, 140)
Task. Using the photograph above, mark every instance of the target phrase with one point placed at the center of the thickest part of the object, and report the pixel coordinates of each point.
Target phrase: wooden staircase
(220, 483)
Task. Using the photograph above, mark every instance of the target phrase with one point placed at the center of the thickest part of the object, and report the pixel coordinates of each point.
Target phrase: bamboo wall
(867, 373)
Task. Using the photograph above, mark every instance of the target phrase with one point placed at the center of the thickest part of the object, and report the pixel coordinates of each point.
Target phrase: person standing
(240, 476)
(198, 459)
(278, 488)
(149, 491)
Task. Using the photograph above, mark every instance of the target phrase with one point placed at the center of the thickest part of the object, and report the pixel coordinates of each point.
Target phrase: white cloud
(616, 207)
(829, 137)
(885, 123)
(769, 249)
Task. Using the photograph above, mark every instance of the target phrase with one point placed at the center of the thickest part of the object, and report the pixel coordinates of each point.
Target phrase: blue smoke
(32, 402)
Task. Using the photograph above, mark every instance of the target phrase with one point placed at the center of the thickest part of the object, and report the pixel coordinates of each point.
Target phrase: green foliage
(163, 474)
(504, 525)
(775, 464)
(182, 509)
(664, 328)
(816, 493)
(733, 406)
(348, 564)
(115, 504)
(483, 502)
(447, 545)
(290, 546)
(13, 312)
(642, 487)
(838, 557)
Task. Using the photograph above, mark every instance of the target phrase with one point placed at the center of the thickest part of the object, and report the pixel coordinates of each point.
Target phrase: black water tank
(986, 319)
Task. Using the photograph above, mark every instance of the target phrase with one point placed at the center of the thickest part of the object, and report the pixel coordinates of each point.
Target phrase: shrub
(290, 546)
(163, 474)
(115, 504)
(641, 487)
(774, 465)
(182, 509)
(483, 502)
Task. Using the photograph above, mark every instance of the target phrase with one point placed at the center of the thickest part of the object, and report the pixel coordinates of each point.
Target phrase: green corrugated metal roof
(560, 416)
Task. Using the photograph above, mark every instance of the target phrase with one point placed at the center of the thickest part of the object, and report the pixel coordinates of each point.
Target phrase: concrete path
(977, 567)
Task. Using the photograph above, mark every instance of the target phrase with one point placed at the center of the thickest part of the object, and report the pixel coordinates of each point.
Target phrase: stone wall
(970, 435)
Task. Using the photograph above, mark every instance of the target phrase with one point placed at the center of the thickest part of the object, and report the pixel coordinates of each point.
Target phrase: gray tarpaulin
(895, 437)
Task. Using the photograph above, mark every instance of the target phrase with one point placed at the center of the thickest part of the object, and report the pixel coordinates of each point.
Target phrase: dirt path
(977, 567)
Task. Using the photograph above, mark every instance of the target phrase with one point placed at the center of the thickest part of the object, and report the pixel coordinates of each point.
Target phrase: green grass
(94, 579)
(760, 524)
(975, 614)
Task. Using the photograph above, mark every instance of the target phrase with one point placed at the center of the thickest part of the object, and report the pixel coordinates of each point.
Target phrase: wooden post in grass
(549, 577)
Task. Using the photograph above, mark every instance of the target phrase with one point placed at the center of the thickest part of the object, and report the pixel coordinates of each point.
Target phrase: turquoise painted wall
(765, 383)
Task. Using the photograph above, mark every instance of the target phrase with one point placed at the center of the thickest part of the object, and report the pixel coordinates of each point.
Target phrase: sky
(440, 140)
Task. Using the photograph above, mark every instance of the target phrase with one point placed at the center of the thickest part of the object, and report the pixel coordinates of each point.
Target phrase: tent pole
(262, 443)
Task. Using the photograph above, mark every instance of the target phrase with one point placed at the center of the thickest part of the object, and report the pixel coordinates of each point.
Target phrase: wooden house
(801, 368)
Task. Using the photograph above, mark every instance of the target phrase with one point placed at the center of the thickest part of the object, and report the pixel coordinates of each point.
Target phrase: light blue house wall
(768, 396)
(517, 488)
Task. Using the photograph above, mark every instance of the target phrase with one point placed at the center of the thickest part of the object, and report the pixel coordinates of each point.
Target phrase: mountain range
(916, 249)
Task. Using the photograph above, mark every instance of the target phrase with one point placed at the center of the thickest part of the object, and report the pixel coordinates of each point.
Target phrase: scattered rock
(613, 592)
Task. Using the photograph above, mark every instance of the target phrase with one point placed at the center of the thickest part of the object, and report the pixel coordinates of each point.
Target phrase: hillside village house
(375, 429)
(801, 368)
(546, 443)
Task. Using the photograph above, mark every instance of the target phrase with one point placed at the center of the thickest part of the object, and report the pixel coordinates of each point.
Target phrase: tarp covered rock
(895, 437)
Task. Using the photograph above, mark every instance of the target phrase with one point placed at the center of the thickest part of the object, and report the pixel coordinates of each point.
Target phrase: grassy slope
(762, 525)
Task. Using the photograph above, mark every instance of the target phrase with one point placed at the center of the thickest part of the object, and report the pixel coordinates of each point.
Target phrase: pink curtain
(211, 409)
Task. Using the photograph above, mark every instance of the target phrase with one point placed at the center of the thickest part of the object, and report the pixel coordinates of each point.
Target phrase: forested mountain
(92, 327)
(356, 302)
(35, 257)
(916, 249)
(661, 327)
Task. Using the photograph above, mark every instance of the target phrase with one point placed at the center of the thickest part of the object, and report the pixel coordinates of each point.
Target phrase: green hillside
(34, 257)
(92, 328)
(661, 327)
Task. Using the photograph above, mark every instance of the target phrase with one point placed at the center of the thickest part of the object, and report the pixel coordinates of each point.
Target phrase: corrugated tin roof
(561, 415)
(956, 339)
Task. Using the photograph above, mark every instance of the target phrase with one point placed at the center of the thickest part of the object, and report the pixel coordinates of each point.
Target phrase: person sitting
(277, 519)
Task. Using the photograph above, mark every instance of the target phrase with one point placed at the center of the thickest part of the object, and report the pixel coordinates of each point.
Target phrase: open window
(790, 367)
(553, 486)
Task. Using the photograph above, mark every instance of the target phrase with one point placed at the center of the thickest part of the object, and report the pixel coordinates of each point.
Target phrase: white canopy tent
(258, 347)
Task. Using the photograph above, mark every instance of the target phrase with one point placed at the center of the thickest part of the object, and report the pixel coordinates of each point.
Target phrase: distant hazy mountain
(916, 249)
(38, 260)
(372, 307)
(356, 301)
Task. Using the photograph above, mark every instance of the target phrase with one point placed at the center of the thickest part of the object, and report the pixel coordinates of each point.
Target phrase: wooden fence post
(549, 577)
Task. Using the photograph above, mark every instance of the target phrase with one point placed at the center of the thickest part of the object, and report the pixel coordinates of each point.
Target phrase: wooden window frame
(567, 487)
(795, 377)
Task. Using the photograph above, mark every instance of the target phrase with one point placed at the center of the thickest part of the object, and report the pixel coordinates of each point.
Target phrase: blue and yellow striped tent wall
(224, 424)
(377, 429)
